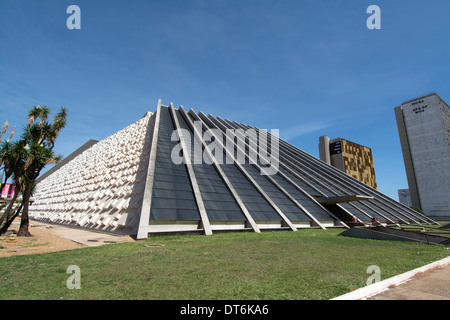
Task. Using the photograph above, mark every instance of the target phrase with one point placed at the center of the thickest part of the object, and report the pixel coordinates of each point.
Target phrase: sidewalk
(48, 237)
(430, 285)
(429, 282)
(85, 237)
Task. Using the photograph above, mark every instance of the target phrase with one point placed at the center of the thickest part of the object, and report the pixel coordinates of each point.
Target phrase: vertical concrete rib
(304, 170)
(216, 165)
(362, 187)
(187, 158)
(358, 186)
(287, 157)
(247, 175)
(296, 186)
(279, 187)
(148, 191)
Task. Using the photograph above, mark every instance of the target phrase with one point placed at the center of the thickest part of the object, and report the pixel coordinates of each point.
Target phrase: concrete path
(86, 237)
(429, 282)
(430, 285)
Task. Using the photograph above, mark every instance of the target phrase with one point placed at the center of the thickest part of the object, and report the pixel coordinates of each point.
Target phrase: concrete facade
(102, 187)
(424, 130)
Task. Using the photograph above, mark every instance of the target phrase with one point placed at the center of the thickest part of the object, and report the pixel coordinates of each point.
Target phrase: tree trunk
(8, 223)
(5, 215)
(25, 221)
(6, 177)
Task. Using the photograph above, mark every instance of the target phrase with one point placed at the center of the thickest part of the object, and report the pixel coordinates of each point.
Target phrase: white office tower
(424, 129)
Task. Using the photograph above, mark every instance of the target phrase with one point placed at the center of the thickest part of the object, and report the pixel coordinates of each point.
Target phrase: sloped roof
(161, 175)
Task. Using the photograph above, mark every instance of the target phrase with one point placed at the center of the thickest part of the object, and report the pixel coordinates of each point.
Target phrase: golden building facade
(354, 159)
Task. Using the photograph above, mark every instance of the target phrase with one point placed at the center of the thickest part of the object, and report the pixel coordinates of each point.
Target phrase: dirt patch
(42, 241)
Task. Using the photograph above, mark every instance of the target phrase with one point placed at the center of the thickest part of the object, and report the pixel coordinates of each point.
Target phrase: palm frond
(33, 114)
(11, 135)
(44, 113)
(5, 126)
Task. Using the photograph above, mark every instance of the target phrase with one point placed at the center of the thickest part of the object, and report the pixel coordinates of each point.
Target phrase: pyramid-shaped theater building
(182, 171)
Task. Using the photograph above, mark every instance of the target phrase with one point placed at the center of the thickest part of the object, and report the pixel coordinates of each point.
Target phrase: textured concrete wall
(101, 188)
(67, 159)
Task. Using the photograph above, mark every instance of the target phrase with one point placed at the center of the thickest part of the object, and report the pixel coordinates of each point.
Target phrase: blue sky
(307, 68)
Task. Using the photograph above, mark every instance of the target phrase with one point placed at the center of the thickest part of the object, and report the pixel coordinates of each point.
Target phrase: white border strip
(381, 286)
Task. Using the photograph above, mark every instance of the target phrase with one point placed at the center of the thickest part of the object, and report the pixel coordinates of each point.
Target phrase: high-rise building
(424, 130)
(404, 197)
(354, 159)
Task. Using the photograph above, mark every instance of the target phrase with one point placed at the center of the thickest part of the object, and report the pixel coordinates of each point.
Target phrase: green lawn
(308, 264)
(439, 230)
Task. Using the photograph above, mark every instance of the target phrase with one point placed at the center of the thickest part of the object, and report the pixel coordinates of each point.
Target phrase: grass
(308, 264)
(32, 244)
(431, 229)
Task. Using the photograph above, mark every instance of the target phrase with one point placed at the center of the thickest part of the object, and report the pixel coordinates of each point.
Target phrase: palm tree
(40, 137)
(30, 155)
(13, 215)
(6, 161)
(5, 147)
(13, 160)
